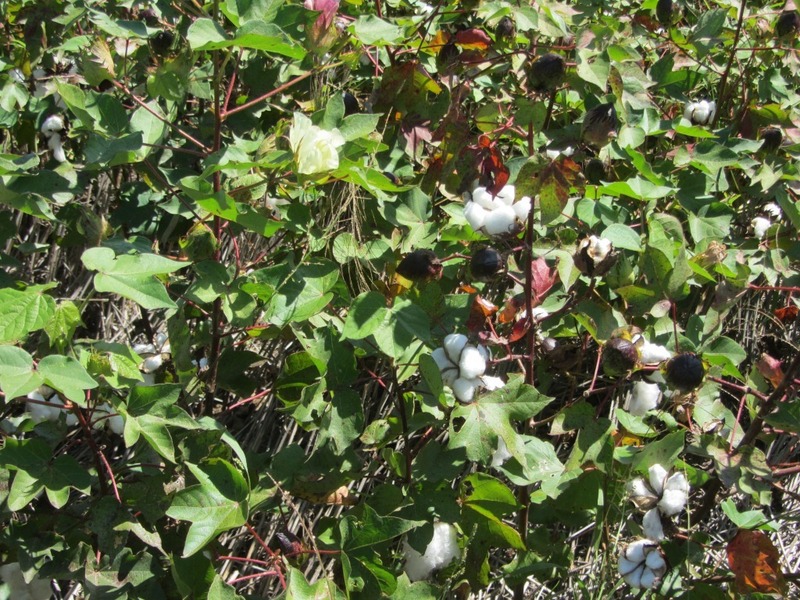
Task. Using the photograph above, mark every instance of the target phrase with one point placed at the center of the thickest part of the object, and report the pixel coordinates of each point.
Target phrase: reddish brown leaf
(519, 330)
(468, 289)
(787, 313)
(476, 39)
(542, 279)
(770, 369)
(481, 310)
(510, 310)
(754, 561)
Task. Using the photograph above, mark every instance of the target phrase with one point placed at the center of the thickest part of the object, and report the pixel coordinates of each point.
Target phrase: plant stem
(723, 82)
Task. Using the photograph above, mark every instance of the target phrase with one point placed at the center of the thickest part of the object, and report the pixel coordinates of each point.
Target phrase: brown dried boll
(546, 72)
(787, 24)
(595, 171)
(486, 263)
(619, 356)
(161, 42)
(600, 125)
(772, 138)
(594, 256)
(420, 265)
(505, 29)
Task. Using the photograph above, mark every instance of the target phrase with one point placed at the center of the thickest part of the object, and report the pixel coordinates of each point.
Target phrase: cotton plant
(315, 149)
(441, 551)
(641, 564)
(463, 367)
(496, 215)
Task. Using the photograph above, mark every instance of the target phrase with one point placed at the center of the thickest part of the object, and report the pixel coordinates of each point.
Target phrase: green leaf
(132, 276)
(206, 34)
(367, 313)
(748, 519)
(403, 325)
(61, 327)
(486, 501)
(623, 236)
(786, 418)
(305, 293)
(216, 504)
(67, 375)
(150, 412)
(297, 588)
(476, 426)
(17, 375)
(370, 529)
(24, 312)
(663, 452)
(358, 126)
(373, 31)
(638, 188)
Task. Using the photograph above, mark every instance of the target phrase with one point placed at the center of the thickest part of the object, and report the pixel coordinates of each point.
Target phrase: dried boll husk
(546, 72)
(619, 356)
(685, 372)
(486, 263)
(420, 265)
(594, 256)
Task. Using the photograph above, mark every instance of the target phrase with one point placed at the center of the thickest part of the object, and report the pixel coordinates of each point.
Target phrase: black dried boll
(772, 138)
(486, 263)
(505, 29)
(788, 23)
(149, 16)
(685, 372)
(420, 265)
(447, 56)
(599, 125)
(161, 42)
(667, 11)
(595, 171)
(351, 105)
(619, 356)
(546, 72)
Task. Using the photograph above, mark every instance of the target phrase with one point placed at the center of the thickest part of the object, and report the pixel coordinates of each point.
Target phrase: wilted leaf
(476, 39)
(542, 279)
(754, 561)
(770, 369)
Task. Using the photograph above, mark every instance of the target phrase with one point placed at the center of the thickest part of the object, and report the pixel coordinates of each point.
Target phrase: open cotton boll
(472, 362)
(19, 589)
(658, 476)
(507, 195)
(492, 383)
(52, 124)
(41, 412)
(501, 455)
(141, 349)
(675, 495)
(72, 420)
(651, 354)
(475, 215)
(454, 344)
(152, 363)
(485, 200)
(651, 524)
(441, 551)
(760, 226)
(522, 208)
(447, 367)
(500, 221)
(464, 389)
(641, 564)
(644, 397)
(54, 143)
(773, 210)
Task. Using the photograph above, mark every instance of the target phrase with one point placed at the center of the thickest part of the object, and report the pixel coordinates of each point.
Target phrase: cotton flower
(644, 397)
(19, 589)
(651, 354)
(700, 113)
(441, 551)
(315, 149)
(641, 564)
(668, 493)
(760, 226)
(496, 215)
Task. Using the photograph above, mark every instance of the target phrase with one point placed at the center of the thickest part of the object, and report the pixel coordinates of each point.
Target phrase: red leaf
(787, 313)
(542, 279)
(510, 310)
(519, 330)
(770, 369)
(754, 562)
(481, 310)
(473, 38)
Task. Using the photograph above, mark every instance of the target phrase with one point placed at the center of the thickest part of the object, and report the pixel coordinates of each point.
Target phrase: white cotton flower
(472, 362)
(641, 564)
(651, 524)
(464, 389)
(773, 210)
(700, 113)
(760, 226)
(315, 149)
(651, 354)
(19, 589)
(441, 551)
(454, 344)
(52, 124)
(501, 455)
(644, 397)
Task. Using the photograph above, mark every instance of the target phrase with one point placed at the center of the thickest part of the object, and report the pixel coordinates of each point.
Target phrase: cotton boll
(507, 195)
(464, 389)
(635, 551)
(54, 143)
(501, 455)
(148, 379)
(658, 476)
(475, 215)
(522, 208)
(654, 560)
(40, 412)
(641, 494)
(151, 364)
(760, 226)
(672, 502)
(52, 124)
(142, 349)
(500, 221)
(651, 354)
(72, 420)
(448, 368)
(773, 210)
(441, 551)
(454, 344)
(651, 524)
(631, 572)
(677, 482)
(484, 199)
(644, 397)
(492, 383)
(472, 363)
(647, 580)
